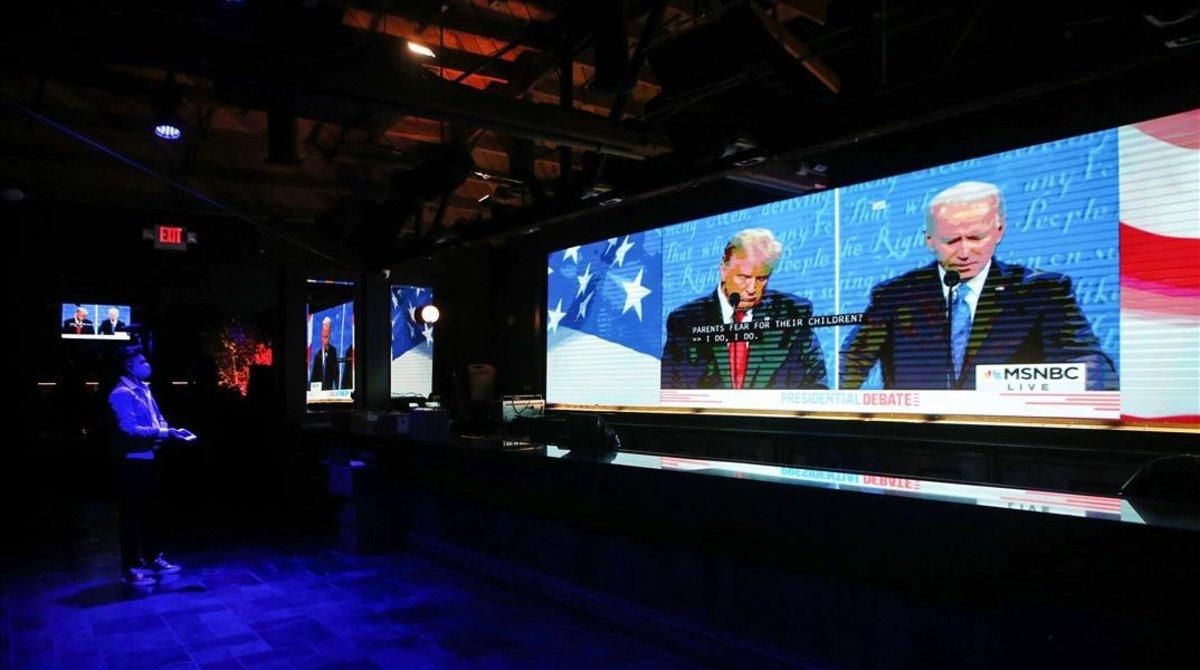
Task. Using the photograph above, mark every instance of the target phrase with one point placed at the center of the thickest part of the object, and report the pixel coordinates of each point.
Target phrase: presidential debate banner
(1060, 280)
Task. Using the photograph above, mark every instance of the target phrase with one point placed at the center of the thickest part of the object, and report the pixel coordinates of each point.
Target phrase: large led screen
(412, 342)
(1060, 280)
(330, 316)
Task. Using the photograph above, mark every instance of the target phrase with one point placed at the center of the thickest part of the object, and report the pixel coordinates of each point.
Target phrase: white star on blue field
(610, 289)
(406, 332)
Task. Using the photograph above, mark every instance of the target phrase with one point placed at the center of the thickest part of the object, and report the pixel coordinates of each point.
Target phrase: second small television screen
(412, 342)
(330, 370)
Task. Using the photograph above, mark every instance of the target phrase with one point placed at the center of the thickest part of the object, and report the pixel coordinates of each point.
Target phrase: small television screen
(412, 342)
(330, 372)
(95, 321)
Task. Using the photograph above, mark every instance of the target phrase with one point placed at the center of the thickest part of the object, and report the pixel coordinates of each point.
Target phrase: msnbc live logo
(1032, 378)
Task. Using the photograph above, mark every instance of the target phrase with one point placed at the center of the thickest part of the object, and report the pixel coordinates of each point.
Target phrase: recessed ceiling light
(168, 131)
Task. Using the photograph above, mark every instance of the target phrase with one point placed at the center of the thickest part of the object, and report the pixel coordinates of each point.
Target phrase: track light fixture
(167, 124)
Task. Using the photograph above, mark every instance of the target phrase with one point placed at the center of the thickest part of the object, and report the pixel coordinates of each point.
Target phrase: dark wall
(491, 313)
(59, 252)
(66, 253)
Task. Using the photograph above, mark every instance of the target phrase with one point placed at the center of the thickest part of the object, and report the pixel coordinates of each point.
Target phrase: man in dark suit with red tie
(1001, 313)
(787, 358)
(80, 324)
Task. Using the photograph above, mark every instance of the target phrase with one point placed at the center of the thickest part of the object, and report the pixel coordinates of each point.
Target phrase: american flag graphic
(412, 342)
(604, 320)
(1160, 269)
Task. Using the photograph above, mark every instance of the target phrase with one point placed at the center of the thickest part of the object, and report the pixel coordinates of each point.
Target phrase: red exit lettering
(170, 235)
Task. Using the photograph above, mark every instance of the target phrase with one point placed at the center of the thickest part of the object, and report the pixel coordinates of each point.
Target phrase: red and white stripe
(1160, 269)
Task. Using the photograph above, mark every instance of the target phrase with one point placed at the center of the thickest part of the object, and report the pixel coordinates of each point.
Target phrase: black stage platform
(760, 564)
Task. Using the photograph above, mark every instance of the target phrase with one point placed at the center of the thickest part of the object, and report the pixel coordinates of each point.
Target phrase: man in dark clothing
(140, 431)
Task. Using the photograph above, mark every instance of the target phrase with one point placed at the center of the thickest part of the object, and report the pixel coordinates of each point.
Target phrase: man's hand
(182, 434)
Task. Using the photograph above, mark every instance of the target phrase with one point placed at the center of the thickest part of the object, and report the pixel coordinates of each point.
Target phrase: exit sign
(175, 238)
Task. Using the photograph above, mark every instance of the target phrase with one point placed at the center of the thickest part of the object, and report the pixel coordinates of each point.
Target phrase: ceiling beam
(816, 11)
(467, 20)
(799, 50)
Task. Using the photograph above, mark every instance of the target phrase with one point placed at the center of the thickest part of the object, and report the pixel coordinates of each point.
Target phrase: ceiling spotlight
(805, 169)
(168, 131)
(484, 198)
(428, 314)
(421, 49)
(167, 124)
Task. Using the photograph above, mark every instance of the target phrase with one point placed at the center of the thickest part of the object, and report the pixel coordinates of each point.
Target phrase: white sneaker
(138, 576)
(164, 567)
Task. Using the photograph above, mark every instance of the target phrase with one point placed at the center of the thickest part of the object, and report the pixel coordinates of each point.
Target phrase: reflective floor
(292, 603)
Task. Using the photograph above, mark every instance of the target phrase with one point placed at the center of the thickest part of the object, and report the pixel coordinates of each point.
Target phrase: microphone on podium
(735, 299)
(951, 279)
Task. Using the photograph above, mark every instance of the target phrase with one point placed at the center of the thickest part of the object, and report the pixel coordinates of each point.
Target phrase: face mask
(140, 370)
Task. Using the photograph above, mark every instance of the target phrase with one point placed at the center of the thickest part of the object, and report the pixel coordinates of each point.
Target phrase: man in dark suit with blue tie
(113, 324)
(325, 360)
(1000, 313)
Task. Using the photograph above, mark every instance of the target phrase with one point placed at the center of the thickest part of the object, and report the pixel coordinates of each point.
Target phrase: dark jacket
(781, 359)
(134, 413)
(1023, 316)
(68, 327)
(107, 328)
(326, 374)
